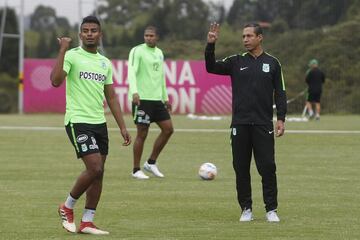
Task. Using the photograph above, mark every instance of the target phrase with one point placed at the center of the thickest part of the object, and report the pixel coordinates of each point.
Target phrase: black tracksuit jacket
(256, 83)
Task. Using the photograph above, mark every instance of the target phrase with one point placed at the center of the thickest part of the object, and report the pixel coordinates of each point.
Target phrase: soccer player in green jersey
(150, 102)
(88, 82)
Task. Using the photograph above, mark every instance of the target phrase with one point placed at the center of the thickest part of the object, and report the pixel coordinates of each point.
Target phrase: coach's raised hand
(213, 32)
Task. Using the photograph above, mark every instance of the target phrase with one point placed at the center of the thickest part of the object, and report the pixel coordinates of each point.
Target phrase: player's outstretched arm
(213, 33)
(58, 75)
(116, 111)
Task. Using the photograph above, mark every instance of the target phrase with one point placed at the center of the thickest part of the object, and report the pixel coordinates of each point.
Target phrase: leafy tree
(10, 47)
(240, 12)
(186, 19)
(183, 19)
(125, 12)
(53, 46)
(297, 13)
(8, 93)
(31, 41)
(42, 47)
(217, 12)
(279, 25)
(317, 13)
(62, 22)
(44, 18)
(353, 11)
(9, 64)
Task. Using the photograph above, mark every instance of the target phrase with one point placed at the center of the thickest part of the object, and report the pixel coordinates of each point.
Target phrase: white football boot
(246, 215)
(271, 216)
(90, 228)
(153, 169)
(140, 175)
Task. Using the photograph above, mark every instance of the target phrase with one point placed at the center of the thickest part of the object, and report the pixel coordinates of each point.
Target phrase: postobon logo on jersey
(93, 76)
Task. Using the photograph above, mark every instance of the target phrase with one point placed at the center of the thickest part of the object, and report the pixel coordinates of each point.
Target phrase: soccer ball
(207, 171)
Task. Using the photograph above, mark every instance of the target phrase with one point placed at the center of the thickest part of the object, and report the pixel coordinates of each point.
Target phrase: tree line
(295, 31)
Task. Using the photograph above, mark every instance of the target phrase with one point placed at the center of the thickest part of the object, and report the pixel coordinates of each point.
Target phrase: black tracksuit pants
(257, 139)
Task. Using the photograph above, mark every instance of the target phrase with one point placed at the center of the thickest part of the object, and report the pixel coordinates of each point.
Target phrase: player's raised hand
(64, 42)
(213, 32)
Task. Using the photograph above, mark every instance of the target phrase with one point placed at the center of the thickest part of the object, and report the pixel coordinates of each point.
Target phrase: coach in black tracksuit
(257, 81)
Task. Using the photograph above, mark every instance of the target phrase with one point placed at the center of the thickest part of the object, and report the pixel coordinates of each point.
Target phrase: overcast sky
(73, 10)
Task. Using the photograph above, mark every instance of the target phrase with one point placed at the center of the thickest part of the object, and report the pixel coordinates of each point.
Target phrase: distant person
(315, 78)
(150, 102)
(88, 81)
(256, 79)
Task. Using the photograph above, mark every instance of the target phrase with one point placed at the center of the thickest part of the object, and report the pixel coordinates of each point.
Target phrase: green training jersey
(146, 73)
(87, 74)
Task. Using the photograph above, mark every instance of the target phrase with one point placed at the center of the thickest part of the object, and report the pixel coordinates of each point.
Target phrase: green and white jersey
(146, 73)
(87, 73)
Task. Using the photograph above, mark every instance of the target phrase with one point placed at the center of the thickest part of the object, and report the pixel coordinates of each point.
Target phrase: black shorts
(314, 97)
(88, 138)
(149, 111)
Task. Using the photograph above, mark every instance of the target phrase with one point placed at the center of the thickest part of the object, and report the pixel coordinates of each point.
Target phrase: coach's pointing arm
(58, 75)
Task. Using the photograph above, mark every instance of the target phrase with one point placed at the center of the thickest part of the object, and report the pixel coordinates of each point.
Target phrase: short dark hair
(90, 19)
(257, 28)
(152, 28)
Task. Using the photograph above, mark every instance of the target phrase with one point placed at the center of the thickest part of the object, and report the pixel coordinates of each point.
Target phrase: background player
(315, 78)
(150, 102)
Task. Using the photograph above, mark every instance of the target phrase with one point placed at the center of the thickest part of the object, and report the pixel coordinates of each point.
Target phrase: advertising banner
(190, 88)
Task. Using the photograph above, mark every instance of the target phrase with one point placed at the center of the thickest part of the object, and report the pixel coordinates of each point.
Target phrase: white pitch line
(190, 130)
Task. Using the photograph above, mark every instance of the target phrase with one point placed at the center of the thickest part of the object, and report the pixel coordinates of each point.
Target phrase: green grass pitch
(318, 180)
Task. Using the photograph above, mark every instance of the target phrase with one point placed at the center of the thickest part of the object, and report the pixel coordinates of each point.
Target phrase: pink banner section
(190, 88)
